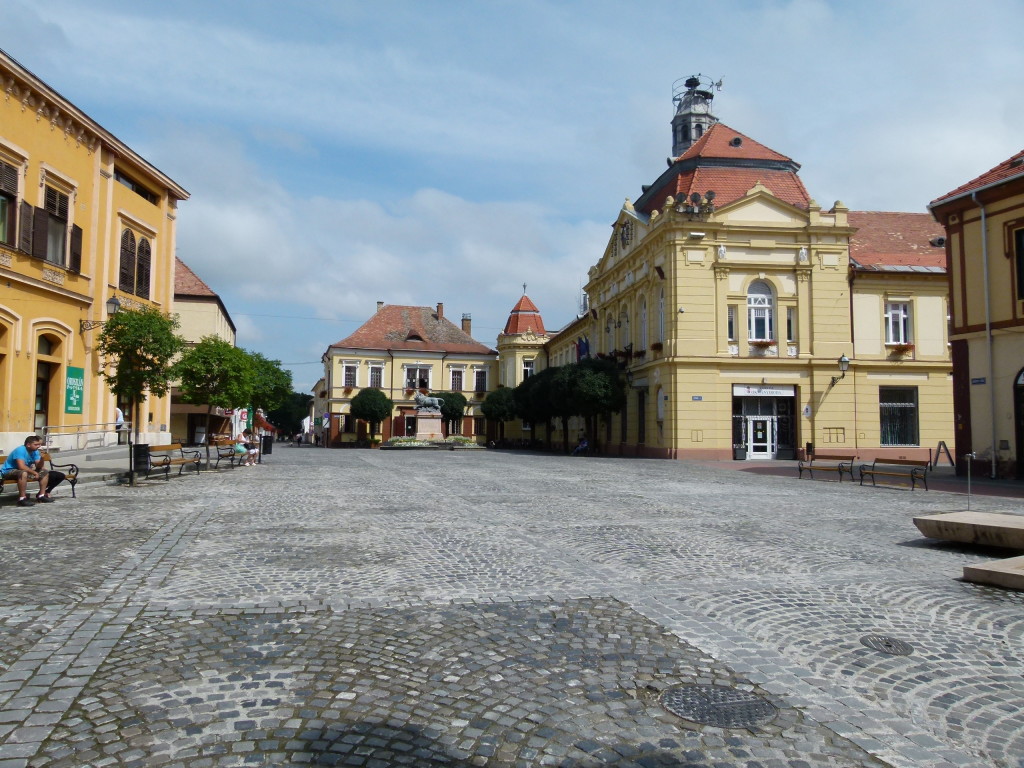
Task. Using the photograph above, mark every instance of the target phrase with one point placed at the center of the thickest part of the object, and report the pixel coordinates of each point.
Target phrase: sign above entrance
(763, 390)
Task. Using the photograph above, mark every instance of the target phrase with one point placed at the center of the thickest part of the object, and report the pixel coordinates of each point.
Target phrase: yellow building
(404, 350)
(984, 223)
(749, 323)
(201, 313)
(83, 219)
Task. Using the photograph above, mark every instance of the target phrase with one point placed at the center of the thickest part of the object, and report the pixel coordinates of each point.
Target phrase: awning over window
(261, 423)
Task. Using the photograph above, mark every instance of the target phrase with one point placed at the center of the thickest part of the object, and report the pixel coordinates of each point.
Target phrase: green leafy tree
(289, 414)
(216, 373)
(500, 406)
(372, 406)
(137, 348)
(271, 384)
(453, 409)
(599, 391)
(533, 398)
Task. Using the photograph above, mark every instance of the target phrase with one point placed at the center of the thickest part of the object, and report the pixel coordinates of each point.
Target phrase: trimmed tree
(453, 409)
(599, 391)
(217, 373)
(137, 347)
(372, 406)
(499, 406)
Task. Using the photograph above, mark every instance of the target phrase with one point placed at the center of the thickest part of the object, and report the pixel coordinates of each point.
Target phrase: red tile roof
(730, 184)
(187, 282)
(885, 240)
(1008, 169)
(398, 327)
(728, 163)
(721, 141)
(525, 317)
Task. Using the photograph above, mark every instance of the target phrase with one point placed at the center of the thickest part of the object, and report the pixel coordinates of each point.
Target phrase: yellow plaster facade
(403, 351)
(672, 300)
(84, 218)
(984, 223)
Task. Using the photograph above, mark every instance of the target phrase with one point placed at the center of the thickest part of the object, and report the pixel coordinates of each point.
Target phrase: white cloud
(338, 154)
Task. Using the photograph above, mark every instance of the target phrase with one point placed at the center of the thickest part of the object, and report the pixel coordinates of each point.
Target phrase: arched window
(126, 279)
(760, 312)
(661, 316)
(624, 337)
(643, 323)
(143, 269)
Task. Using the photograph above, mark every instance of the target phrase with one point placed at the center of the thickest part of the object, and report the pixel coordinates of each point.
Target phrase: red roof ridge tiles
(187, 282)
(524, 317)
(895, 239)
(411, 328)
(1010, 168)
(720, 141)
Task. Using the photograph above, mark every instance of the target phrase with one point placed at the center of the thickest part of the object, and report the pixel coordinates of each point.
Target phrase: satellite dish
(695, 198)
(710, 195)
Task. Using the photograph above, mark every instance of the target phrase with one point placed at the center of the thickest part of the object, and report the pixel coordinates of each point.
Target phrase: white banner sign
(763, 390)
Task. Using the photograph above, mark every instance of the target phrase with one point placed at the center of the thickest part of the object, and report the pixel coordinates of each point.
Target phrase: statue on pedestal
(426, 404)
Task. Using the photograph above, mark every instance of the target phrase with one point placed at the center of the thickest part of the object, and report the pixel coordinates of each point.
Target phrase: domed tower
(521, 343)
(692, 97)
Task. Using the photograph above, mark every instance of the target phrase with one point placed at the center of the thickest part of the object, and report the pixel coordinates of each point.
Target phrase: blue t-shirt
(23, 453)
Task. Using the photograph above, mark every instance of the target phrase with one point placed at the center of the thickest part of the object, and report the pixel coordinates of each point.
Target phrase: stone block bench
(990, 529)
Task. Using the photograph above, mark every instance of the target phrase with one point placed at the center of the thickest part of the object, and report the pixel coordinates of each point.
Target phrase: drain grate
(889, 645)
(718, 706)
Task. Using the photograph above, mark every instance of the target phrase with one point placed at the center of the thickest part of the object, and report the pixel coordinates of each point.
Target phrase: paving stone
(493, 608)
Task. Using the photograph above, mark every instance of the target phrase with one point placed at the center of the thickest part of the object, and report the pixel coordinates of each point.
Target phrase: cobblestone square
(481, 608)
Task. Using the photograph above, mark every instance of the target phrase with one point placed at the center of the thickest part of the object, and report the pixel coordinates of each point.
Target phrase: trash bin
(140, 456)
(266, 445)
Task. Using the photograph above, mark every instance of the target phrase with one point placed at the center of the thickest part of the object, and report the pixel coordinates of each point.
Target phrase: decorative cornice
(33, 100)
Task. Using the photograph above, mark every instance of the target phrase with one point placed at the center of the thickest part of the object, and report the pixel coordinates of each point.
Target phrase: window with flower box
(897, 323)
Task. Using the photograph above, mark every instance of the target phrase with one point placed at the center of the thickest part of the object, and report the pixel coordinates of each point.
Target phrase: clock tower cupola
(692, 97)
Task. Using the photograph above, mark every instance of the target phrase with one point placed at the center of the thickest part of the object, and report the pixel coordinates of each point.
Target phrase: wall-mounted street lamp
(844, 366)
(113, 307)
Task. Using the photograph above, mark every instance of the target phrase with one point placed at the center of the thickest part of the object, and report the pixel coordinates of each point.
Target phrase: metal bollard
(969, 456)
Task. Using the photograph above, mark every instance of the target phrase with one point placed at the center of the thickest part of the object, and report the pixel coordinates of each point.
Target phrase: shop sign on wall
(74, 390)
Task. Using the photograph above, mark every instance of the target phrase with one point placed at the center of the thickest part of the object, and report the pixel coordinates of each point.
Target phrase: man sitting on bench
(26, 463)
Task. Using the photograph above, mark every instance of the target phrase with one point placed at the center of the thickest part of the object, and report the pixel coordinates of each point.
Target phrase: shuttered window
(136, 265)
(126, 275)
(56, 205)
(142, 270)
(8, 203)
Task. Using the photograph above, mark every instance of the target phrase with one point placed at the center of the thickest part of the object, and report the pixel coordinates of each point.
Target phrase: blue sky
(341, 153)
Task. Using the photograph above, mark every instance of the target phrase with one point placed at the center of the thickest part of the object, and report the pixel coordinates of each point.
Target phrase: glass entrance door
(761, 437)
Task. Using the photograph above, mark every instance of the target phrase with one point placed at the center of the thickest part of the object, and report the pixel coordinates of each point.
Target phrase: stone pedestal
(428, 426)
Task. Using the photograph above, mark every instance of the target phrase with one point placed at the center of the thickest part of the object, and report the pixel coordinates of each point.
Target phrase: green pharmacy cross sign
(74, 390)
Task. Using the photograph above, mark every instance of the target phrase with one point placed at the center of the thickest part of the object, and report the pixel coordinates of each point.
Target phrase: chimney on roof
(467, 324)
(380, 305)
(440, 311)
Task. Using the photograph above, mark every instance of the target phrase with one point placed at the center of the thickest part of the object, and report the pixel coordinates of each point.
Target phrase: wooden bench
(912, 469)
(70, 471)
(163, 457)
(225, 448)
(827, 462)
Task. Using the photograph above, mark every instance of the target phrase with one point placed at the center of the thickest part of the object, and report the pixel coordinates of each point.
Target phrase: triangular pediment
(760, 206)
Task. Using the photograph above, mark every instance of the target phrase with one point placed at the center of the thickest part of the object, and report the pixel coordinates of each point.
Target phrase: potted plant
(657, 346)
(763, 343)
(900, 349)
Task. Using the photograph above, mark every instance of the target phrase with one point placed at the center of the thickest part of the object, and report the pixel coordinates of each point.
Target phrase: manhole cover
(889, 645)
(717, 705)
